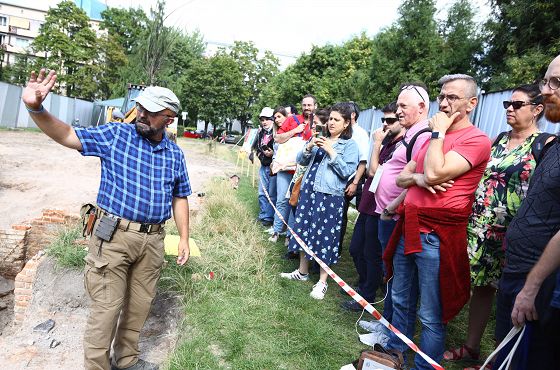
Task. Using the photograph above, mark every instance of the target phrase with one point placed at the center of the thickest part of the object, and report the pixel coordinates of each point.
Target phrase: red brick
(26, 279)
(20, 291)
(24, 298)
(19, 316)
(20, 284)
(21, 227)
(20, 303)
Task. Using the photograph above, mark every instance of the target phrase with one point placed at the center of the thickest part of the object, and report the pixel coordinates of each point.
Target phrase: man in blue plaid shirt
(143, 177)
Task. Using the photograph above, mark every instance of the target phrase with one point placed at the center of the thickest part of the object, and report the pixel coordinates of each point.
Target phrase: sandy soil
(36, 173)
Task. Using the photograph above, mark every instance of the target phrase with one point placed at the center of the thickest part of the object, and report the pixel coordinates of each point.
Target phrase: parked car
(191, 134)
(231, 139)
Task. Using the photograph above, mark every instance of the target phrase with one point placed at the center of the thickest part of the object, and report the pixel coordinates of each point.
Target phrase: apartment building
(19, 25)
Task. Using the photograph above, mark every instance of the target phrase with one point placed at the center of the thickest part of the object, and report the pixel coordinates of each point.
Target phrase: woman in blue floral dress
(331, 159)
(498, 197)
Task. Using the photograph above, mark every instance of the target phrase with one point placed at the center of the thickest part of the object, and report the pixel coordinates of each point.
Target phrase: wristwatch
(387, 213)
(438, 135)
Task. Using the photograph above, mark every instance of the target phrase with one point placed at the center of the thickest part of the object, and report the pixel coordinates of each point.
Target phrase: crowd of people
(445, 214)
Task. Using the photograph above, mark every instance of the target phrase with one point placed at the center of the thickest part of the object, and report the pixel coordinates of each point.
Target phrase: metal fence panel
(9, 96)
(14, 114)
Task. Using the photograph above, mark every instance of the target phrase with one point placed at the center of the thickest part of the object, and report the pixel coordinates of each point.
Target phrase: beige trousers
(120, 279)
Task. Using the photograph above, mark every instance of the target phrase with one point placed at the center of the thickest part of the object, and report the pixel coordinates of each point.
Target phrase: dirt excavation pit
(58, 295)
(38, 174)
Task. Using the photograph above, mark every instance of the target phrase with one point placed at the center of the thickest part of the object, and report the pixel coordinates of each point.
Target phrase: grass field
(247, 317)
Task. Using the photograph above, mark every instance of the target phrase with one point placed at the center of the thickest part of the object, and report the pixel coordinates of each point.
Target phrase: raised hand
(37, 89)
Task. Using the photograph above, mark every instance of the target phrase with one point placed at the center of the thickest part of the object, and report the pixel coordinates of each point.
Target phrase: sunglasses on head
(389, 120)
(516, 104)
(413, 87)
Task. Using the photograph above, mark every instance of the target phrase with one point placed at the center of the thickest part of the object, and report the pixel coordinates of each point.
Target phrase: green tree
(112, 60)
(463, 42)
(410, 50)
(214, 87)
(522, 37)
(186, 49)
(329, 72)
(157, 44)
(71, 46)
(125, 26)
(256, 72)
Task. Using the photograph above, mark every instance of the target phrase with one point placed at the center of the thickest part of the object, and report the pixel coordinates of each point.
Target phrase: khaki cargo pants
(120, 278)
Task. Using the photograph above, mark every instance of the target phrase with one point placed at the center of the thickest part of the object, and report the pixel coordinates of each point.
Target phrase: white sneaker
(273, 238)
(270, 230)
(286, 242)
(319, 290)
(295, 275)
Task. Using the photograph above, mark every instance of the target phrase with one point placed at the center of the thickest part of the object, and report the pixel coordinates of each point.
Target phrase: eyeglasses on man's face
(389, 120)
(451, 98)
(553, 83)
(516, 104)
(411, 87)
(140, 109)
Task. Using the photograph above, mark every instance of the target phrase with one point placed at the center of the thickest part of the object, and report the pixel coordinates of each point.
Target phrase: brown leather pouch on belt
(89, 215)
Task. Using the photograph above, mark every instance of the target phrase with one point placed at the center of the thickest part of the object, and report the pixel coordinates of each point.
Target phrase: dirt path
(36, 173)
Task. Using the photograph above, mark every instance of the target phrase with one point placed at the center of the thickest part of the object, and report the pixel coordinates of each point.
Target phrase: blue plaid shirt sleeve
(182, 184)
(97, 141)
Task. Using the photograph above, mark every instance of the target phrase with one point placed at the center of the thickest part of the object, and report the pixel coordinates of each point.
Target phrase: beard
(146, 130)
(552, 108)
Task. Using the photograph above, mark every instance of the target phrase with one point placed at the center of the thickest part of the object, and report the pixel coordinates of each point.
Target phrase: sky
(288, 28)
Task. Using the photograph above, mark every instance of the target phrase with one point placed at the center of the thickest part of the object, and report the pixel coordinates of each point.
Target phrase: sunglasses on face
(389, 120)
(140, 109)
(410, 87)
(553, 83)
(517, 104)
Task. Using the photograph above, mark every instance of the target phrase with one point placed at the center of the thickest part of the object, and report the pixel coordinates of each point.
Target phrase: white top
(361, 137)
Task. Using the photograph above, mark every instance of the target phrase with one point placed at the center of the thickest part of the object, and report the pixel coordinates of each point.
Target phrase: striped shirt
(138, 180)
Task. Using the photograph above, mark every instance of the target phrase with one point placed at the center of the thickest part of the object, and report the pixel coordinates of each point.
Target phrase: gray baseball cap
(156, 99)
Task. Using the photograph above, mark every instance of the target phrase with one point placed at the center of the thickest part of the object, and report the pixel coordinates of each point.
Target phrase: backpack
(410, 145)
(537, 145)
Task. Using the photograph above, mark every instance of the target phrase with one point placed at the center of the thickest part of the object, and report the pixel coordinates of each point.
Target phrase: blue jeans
(283, 180)
(366, 253)
(413, 274)
(384, 230)
(268, 183)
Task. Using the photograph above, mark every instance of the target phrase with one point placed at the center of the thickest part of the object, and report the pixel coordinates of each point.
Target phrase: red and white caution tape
(352, 293)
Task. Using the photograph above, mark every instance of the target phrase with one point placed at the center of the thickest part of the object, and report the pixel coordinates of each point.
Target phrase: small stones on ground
(44, 327)
(54, 343)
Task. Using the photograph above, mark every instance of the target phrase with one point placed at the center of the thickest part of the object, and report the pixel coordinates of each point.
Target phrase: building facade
(20, 25)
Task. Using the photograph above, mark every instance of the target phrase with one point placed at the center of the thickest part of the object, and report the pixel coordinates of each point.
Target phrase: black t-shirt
(538, 218)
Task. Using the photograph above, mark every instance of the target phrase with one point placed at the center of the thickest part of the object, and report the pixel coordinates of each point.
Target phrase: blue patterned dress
(318, 218)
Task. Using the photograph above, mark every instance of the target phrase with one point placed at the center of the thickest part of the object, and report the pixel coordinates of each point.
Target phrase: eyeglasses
(517, 104)
(410, 87)
(450, 98)
(553, 83)
(389, 120)
(140, 109)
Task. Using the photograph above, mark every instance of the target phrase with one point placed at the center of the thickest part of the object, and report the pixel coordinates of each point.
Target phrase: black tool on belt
(106, 229)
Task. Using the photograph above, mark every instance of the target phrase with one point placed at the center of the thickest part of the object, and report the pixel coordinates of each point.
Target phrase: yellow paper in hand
(171, 243)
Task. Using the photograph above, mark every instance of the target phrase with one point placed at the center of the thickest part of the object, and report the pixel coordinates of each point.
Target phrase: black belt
(127, 225)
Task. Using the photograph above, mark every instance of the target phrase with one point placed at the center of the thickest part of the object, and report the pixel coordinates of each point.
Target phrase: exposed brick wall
(24, 287)
(13, 250)
(23, 241)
